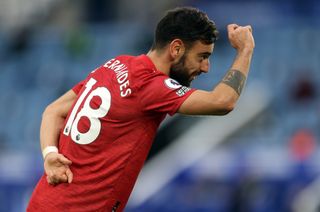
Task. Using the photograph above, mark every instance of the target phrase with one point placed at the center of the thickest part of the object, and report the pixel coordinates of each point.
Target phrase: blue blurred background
(263, 157)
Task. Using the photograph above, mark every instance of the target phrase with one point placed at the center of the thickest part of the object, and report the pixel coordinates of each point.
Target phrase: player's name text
(122, 76)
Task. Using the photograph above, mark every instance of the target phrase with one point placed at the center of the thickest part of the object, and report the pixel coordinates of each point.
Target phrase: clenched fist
(241, 37)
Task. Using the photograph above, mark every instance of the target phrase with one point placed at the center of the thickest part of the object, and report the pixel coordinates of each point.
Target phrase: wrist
(49, 149)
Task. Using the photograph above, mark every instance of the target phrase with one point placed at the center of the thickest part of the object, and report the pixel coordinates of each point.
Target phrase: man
(96, 137)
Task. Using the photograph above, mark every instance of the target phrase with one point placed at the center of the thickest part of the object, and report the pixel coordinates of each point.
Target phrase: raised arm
(56, 165)
(222, 99)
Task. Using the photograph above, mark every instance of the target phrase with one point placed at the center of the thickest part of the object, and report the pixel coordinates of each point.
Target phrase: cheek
(194, 66)
(191, 64)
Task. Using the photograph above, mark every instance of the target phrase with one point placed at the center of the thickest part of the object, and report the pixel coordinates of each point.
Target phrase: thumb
(64, 160)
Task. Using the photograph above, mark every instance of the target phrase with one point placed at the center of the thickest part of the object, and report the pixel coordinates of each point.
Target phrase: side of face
(192, 63)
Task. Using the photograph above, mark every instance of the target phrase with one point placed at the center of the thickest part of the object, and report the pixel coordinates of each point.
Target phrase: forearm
(242, 61)
(51, 126)
(242, 40)
(53, 119)
(232, 84)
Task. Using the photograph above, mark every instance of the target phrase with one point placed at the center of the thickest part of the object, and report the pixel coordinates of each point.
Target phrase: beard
(179, 72)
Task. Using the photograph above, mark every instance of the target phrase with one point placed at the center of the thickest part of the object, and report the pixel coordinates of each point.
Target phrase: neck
(160, 60)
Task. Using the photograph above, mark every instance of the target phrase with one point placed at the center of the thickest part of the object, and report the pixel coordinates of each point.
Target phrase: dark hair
(185, 23)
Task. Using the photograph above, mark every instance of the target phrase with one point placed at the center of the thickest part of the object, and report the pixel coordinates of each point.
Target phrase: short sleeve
(163, 94)
(78, 87)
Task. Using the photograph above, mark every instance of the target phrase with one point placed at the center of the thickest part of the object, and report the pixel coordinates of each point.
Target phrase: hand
(241, 37)
(57, 168)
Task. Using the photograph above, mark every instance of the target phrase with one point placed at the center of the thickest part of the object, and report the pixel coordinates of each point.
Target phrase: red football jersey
(108, 134)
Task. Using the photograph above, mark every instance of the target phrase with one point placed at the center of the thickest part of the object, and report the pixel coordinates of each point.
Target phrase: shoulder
(142, 70)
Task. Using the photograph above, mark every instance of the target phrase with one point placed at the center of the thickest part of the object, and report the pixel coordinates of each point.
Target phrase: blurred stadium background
(263, 157)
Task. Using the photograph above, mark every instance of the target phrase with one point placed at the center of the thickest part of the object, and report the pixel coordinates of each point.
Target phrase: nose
(205, 66)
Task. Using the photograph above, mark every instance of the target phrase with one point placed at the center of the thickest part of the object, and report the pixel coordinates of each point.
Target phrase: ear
(176, 49)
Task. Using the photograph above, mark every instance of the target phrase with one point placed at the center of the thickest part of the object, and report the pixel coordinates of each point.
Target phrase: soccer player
(96, 137)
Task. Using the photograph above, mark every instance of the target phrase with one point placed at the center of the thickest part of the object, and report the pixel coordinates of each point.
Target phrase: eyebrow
(208, 54)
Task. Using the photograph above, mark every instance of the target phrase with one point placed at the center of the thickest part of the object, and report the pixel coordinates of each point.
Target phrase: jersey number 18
(92, 114)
